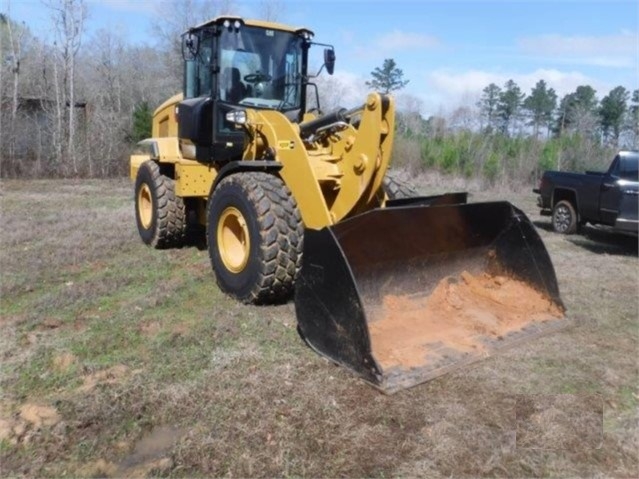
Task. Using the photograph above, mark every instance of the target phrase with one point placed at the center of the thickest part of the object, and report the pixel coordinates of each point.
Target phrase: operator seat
(235, 89)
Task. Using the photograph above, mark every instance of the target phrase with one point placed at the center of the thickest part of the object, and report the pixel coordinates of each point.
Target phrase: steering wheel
(257, 77)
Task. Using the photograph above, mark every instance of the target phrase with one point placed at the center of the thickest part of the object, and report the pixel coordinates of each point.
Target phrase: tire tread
(281, 233)
(170, 211)
(397, 188)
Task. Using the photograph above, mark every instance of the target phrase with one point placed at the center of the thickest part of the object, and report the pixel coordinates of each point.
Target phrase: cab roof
(254, 23)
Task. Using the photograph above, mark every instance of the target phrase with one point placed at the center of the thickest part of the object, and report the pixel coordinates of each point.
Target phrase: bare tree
(68, 17)
(409, 114)
(463, 118)
(174, 17)
(12, 38)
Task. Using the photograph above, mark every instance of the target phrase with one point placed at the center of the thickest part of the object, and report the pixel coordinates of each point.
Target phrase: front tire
(564, 218)
(159, 214)
(397, 188)
(254, 234)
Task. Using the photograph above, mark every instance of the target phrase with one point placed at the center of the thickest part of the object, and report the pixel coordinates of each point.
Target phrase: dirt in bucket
(459, 315)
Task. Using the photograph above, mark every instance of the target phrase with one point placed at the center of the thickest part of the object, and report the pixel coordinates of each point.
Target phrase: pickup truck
(609, 198)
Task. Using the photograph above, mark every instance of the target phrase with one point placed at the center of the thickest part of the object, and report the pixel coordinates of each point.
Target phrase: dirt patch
(108, 376)
(39, 416)
(6, 428)
(64, 361)
(150, 329)
(181, 329)
(49, 323)
(459, 315)
(99, 468)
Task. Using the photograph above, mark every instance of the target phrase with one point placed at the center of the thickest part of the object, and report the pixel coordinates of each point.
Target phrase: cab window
(197, 72)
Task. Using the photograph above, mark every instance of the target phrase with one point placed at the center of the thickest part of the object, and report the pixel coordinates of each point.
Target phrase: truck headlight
(236, 116)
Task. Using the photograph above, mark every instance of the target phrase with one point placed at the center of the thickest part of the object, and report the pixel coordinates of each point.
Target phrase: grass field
(120, 360)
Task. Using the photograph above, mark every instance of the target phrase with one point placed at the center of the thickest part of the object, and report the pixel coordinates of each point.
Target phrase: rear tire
(564, 218)
(254, 234)
(397, 188)
(160, 215)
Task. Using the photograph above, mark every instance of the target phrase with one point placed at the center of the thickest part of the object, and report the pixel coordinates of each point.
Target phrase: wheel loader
(294, 200)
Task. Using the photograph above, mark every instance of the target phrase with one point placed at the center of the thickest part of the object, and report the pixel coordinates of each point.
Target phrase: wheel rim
(563, 218)
(145, 206)
(233, 242)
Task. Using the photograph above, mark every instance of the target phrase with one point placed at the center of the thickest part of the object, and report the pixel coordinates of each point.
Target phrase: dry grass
(152, 371)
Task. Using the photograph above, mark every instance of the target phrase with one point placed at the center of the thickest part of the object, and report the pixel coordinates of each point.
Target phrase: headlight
(236, 116)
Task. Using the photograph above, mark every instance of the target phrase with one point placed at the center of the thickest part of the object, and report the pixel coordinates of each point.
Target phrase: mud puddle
(151, 452)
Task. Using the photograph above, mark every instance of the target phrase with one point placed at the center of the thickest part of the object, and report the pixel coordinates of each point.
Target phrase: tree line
(510, 111)
(510, 137)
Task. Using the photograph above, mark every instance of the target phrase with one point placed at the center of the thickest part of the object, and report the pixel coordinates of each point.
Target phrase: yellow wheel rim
(233, 241)
(145, 206)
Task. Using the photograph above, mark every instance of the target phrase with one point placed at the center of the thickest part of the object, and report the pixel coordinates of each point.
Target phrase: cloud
(343, 89)
(448, 89)
(442, 91)
(618, 50)
(398, 40)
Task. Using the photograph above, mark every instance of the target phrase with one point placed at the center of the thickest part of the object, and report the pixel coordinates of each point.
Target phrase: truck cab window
(629, 170)
(615, 169)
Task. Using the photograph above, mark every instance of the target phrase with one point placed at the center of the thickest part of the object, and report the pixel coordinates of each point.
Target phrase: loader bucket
(406, 293)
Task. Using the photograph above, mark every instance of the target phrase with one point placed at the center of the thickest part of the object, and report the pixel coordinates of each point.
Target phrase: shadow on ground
(598, 239)
(542, 225)
(195, 237)
(603, 241)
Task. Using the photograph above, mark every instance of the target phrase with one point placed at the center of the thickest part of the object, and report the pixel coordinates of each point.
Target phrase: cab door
(230, 89)
(610, 193)
(194, 112)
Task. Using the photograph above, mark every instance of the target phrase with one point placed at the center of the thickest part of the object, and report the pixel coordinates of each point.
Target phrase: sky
(448, 50)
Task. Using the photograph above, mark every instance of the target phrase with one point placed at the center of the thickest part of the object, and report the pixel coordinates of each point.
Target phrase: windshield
(261, 68)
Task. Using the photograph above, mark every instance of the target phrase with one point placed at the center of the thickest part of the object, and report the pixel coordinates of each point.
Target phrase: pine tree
(488, 105)
(540, 104)
(388, 78)
(509, 105)
(634, 117)
(142, 122)
(612, 110)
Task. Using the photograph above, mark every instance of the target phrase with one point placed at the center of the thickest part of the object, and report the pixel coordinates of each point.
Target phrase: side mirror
(190, 46)
(329, 60)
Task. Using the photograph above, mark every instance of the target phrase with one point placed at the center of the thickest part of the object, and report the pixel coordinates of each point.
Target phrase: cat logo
(286, 145)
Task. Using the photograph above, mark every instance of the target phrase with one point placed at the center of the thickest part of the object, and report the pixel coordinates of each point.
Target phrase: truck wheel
(159, 214)
(254, 234)
(397, 188)
(564, 218)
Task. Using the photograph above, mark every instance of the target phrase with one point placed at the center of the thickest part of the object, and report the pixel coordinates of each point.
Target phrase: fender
(554, 201)
(244, 166)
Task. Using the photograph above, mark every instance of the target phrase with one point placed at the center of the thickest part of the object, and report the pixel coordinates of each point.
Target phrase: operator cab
(232, 64)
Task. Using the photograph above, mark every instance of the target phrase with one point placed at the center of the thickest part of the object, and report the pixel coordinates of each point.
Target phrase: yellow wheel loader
(395, 287)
